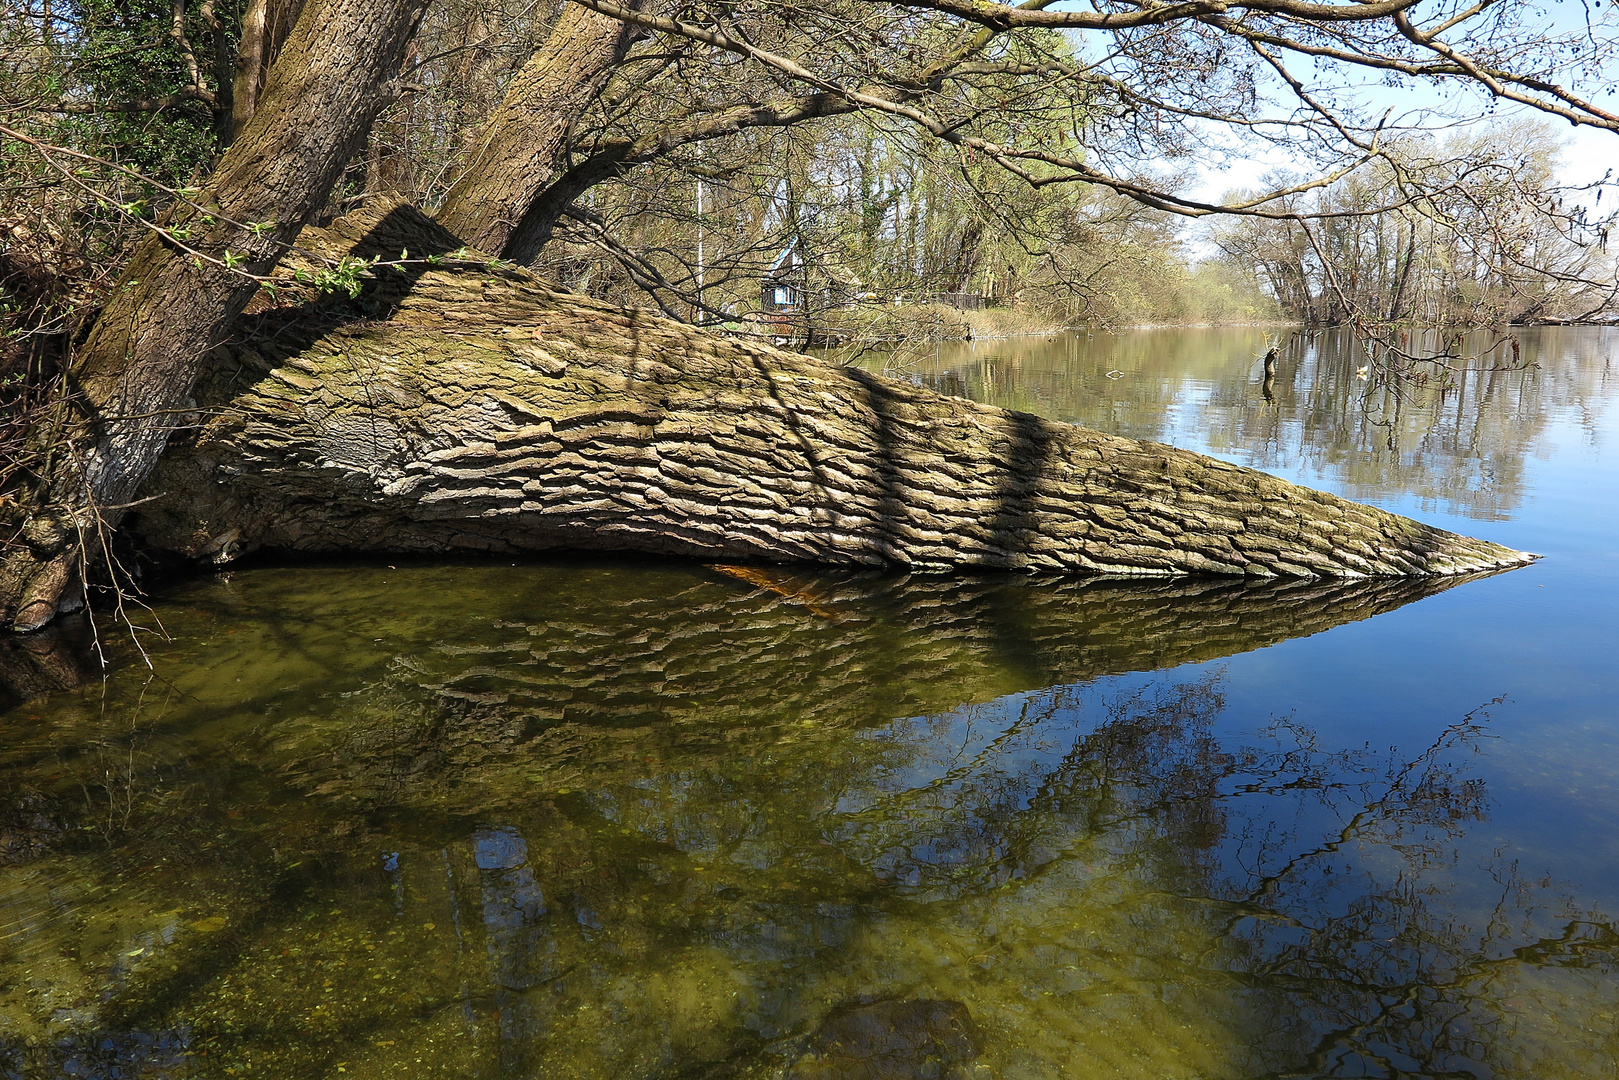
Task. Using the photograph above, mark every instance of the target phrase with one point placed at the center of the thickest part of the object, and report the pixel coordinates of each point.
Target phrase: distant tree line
(1498, 243)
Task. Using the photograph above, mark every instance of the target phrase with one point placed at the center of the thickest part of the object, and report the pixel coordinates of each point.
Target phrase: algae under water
(629, 818)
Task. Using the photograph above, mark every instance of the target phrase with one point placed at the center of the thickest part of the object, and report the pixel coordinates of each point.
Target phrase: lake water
(631, 818)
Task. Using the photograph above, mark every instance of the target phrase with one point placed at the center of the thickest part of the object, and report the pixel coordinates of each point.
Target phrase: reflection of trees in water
(1464, 449)
(1288, 905)
(648, 842)
(59, 657)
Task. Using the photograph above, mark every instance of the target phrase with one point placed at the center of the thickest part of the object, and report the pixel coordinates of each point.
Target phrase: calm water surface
(590, 818)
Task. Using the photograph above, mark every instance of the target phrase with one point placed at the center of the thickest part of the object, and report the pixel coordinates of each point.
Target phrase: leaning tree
(448, 399)
(189, 280)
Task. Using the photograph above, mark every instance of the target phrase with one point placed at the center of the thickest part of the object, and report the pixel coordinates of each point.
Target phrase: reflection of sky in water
(610, 818)
(517, 936)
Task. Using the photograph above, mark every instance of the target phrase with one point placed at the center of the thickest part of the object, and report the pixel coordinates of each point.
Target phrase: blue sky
(1590, 152)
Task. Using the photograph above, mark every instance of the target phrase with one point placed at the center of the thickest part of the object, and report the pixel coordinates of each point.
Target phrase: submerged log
(475, 407)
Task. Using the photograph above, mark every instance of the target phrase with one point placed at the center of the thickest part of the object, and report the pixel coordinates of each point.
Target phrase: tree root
(39, 575)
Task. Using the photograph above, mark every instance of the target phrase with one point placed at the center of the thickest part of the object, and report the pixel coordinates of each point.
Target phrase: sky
(1589, 153)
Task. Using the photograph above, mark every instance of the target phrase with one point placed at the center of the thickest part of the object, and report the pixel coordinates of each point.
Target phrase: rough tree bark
(265, 26)
(523, 147)
(151, 340)
(524, 175)
(476, 409)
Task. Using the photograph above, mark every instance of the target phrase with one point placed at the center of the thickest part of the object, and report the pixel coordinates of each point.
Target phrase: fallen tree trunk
(482, 409)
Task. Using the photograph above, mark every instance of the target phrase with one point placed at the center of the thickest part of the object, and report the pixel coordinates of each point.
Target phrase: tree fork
(483, 409)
